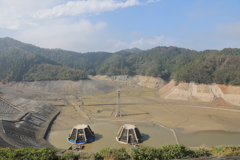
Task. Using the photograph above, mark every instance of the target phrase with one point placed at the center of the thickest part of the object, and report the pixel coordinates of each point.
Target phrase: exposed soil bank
(133, 81)
(220, 94)
(63, 87)
(202, 92)
(105, 84)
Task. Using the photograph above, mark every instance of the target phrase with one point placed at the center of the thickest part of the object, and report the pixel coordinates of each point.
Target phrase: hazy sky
(112, 25)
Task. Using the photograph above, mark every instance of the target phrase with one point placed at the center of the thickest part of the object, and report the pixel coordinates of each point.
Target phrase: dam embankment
(24, 122)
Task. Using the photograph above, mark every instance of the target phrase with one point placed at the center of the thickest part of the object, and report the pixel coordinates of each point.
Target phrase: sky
(113, 25)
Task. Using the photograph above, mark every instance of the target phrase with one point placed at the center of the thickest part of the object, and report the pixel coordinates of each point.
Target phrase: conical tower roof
(81, 133)
(129, 134)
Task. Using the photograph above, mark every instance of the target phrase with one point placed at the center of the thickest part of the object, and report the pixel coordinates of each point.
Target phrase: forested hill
(25, 62)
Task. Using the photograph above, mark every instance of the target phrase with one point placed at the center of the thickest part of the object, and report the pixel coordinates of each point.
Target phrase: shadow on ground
(145, 136)
(98, 136)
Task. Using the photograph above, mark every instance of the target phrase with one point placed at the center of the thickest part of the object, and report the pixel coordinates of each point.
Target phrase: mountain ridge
(181, 64)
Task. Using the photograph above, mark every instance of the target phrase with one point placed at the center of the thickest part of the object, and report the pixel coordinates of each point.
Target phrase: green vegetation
(39, 154)
(87, 62)
(74, 156)
(223, 151)
(166, 152)
(28, 154)
(25, 62)
(176, 151)
(111, 153)
(17, 64)
(214, 69)
(117, 64)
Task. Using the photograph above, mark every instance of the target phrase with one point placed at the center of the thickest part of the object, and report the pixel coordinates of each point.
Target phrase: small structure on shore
(81, 133)
(129, 134)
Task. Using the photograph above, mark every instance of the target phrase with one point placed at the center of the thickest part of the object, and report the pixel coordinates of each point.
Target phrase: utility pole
(118, 110)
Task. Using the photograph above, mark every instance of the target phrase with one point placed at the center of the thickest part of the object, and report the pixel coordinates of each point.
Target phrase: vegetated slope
(214, 69)
(17, 64)
(180, 64)
(118, 64)
(133, 50)
(86, 62)
(162, 62)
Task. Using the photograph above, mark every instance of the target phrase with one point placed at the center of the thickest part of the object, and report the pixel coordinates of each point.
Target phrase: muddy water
(154, 136)
(209, 138)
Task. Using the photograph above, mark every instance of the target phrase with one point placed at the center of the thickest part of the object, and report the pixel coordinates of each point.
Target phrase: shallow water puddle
(155, 136)
(209, 138)
(105, 136)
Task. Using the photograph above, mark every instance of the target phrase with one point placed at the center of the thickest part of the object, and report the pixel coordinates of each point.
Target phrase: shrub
(97, 156)
(146, 153)
(111, 154)
(69, 156)
(201, 152)
(174, 151)
(222, 151)
(28, 153)
(179, 151)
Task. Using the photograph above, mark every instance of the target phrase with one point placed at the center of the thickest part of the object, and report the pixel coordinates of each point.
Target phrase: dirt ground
(183, 108)
(144, 105)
